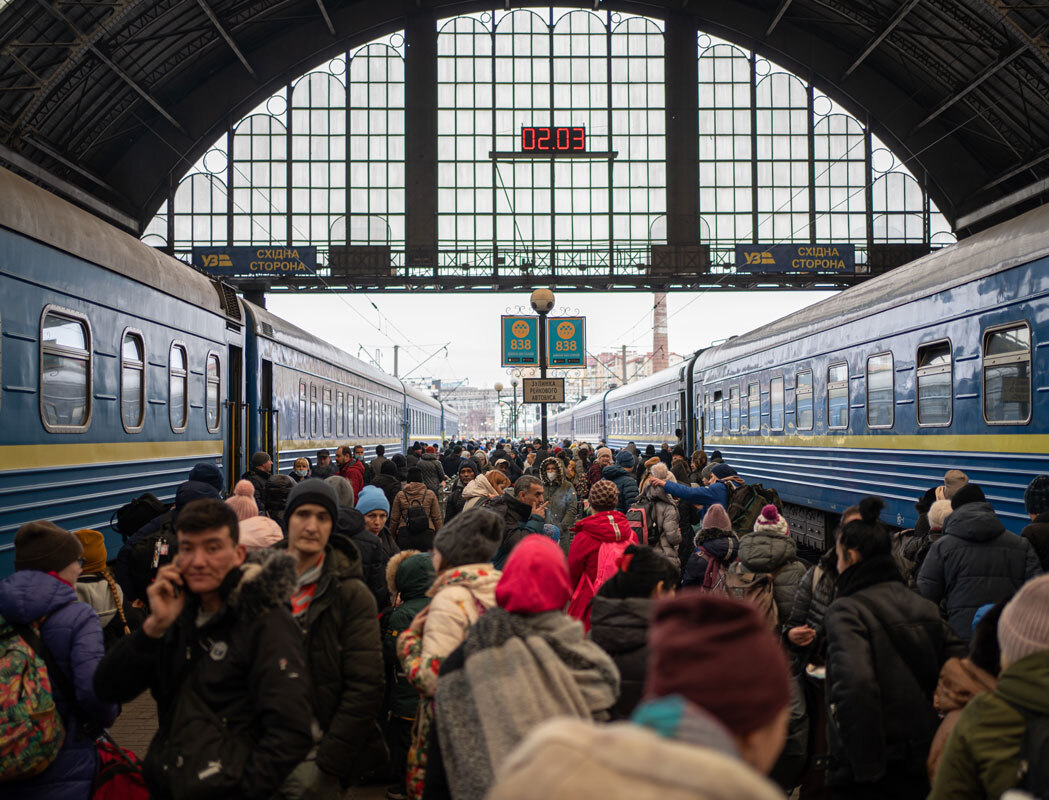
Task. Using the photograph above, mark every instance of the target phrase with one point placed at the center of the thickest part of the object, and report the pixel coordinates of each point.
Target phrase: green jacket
(410, 576)
(983, 751)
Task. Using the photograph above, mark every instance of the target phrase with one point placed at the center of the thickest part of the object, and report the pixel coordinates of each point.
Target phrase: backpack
(417, 521)
(1032, 772)
(909, 550)
(120, 773)
(31, 729)
(745, 503)
(642, 519)
(147, 556)
(756, 589)
(130, 517)
(608, 556)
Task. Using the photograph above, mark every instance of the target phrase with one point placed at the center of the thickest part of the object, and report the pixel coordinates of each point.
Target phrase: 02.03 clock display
(553, 140)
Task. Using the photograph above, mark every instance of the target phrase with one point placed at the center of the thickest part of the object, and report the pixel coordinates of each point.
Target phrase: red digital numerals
(553, 140)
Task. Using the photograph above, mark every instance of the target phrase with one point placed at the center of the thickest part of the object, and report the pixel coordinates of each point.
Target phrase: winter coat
(326, 471)
(518, 522)
(245, 665)
(722, 545)
(278, 487)
(667, 520)
(619, 626)
(455, 502)
(373, 561)
(1037, 533)
(411, 581)
(626, 484)
(765, 553)
(983, 752)
(73, 636)
(353, 471)
(816, 591)
(976, 561)
(590, 533)
(94, 590)
(415, 494)
(885, 647)
(702, 496)
(476, 492)
(560, 496)
(681, 468)
(390, 485)
(376, 466)
(344, 657)
(433, 472)
(258, 479)
(960, 681)
(257, 533)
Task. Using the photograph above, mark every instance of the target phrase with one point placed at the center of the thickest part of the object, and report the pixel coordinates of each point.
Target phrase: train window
(776, 404)
(1007, 374)
(132, 381)
(718, 409)
(178, 380)
(315, 412)
(879, 391)
(838, 396)
(360, 416)
(326, 409)
(65, 372)
(302, 408)
(212, 391)
(934, 384)
(340, 411)
(733, 408)
(754, 408)
(803, 400)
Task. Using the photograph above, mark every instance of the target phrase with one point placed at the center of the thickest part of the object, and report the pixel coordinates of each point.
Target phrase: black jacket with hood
(373, 563)
(619, 626)
(232, 694)
(518, 522)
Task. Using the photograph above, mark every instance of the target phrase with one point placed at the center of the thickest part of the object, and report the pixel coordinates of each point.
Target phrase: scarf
(305, 589)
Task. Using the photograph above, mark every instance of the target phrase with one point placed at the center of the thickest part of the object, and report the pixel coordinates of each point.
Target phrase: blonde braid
(116, 599)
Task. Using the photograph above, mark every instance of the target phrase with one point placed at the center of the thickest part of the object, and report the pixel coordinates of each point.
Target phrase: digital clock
(553, 140)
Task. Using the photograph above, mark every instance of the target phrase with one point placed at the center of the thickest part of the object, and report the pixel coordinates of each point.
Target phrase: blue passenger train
(936, 365)
(121, 367)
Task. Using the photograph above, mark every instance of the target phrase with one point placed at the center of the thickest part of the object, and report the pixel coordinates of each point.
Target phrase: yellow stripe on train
(954, 443)
(38, 456)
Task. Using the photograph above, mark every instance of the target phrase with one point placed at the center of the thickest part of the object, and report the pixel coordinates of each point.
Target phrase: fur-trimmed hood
(264, 581)
(556, 463)
(410, 580)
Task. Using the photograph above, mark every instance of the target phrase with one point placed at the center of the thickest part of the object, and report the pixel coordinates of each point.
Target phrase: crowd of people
(506, 620)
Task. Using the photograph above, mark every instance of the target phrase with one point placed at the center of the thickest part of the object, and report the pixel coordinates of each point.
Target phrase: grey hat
(471, 538)
(260, 458)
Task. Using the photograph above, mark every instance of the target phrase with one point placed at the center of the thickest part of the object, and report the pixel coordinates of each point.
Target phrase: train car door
(269, 419)
(236, 434)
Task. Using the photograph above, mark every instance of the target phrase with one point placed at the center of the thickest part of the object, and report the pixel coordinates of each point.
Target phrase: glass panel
(1007, 392)
(178, 359)
(754, 408)
(734, 408)
(177, 400)
(64, 389)
(1009, 341)
(776, 404)
(718, 411)
(879, 392)
(213, 368)
(934, 398)
(935, 355)
(131, 396)
(803, 401)
(302, 409)
(132, 350)
(212, 403)
(838, 396)
(64, 332)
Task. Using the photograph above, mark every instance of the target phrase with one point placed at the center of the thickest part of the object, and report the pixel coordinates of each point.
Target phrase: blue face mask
(301, 472)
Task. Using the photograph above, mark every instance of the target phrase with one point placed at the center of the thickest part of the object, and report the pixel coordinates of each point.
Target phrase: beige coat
(477, 491)
(411, 494)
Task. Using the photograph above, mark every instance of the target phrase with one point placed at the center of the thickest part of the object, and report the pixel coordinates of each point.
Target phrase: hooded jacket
(372, 562)
(257, 532)
(667, 520)
(976, 561)
(353, 471)
(619, 626)
(477, 492)
(433, 471)
(415, 494)
(885, 647)
(960, 681)
(560, 496)
(389, 480)
(518, 522)
(816, 592)
(409, 575)
(245, 666)
(455, 502)
(590, 533)
(703, 496)
(764, 553)
(722, 545)
(72, 634)
(983, 752)
(258, 479)
(626, 484)
(1037, 533)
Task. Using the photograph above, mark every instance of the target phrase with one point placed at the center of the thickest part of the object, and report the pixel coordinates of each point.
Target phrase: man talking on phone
(223, 658)
(523, 511)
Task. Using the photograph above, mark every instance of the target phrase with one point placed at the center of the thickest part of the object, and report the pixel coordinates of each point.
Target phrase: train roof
(37, 213)
(664, 376)
(422, 397)
(1010, 244)
(273, 327)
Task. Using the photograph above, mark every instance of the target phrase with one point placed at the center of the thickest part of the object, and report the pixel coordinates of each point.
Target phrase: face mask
(301, 472)
(551, 476)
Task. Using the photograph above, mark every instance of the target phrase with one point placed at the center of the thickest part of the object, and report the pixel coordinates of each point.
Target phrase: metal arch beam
(1034, 161)
(780, 11)
(141, 92)
(1014, 199)
(895, 20)
(992, 70)
(225, 34)
(327, 16)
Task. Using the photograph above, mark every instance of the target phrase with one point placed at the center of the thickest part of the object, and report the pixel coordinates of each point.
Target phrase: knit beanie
(207, 473)
(718, 653)
(415, 475)
(189, 491)
(243, 501)
(344, 489)
(431, 449)
(953, 480)
(722, 471)
(472, 537)
(535, 578)
(602, 451)
(717, 518)
(969, 493)
(372, 498)
(1023, 629)
(770, 521)
(313, 490)
(652, 462)
(43, 546)
(1036, 498)
(94, 544)
(625, 459)
(604, 496)
(938, 514)
(259, 458)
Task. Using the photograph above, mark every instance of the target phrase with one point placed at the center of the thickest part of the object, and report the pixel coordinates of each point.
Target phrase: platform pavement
(137, 723)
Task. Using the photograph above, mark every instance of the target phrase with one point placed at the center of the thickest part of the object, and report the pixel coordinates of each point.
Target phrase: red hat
(431, 449)
(719, 654)
(535, 578)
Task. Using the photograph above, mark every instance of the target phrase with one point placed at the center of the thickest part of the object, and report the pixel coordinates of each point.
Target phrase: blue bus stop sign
(520, 338)
(566, 342)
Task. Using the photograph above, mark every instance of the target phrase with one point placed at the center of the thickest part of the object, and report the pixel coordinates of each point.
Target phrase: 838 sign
(566, 341)
(520, 338)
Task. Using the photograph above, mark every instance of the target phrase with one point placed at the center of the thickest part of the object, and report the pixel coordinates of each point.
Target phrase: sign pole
(542, 369)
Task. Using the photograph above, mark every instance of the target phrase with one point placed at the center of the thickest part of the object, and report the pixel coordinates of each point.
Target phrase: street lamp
(513, 410)
(498, 398)
(542, 303)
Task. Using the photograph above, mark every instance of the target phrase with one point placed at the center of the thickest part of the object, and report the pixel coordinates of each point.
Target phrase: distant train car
(424, 418)
(646, 412)
(450, 423)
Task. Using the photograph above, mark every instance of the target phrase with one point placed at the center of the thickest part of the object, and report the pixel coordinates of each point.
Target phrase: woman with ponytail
(885, 647)
(98, 589)
(620, 614)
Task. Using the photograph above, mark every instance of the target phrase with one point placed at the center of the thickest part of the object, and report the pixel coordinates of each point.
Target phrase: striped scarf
(305, 588)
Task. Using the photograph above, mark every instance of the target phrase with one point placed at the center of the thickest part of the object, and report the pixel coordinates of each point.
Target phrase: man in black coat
(372, 563)
(523, 511)
(260, 472)
(223, 659)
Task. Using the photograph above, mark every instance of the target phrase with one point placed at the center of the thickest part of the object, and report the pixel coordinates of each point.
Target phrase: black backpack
(416, 520)
(1032, 773)
(148, 555)
(130, 517)
(745, 504)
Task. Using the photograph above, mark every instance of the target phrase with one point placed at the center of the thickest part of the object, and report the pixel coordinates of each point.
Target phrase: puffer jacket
(668, 521)
(518, 522)
(764, 553)
(433, 472)
(976, 561)
(619, 626)
(1037, 533)
(408, 579)
(73, 636)
(344, 657)
(415, 494)
(983, 752)
(590, 533)
(373, 562)
(885, 647)
(816, 592)
(722, 545)
(626, 484)
(263, 701)
(477, 491)
(389, 484)
(960, 681)
(560, 496)
(455, 502)
(258, 480)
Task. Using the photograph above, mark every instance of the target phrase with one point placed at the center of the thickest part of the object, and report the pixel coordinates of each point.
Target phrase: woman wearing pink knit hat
(255, 532)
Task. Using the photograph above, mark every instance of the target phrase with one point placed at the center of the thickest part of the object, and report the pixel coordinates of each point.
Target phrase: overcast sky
(468, 324)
